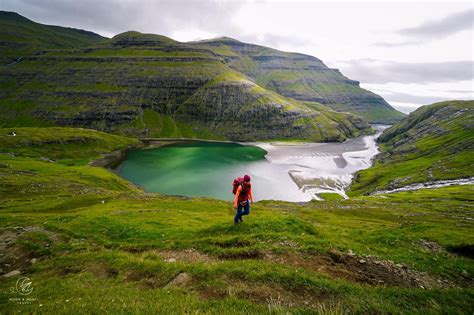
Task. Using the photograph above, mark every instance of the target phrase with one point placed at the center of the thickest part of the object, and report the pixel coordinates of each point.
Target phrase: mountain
(435, 142)
(302, 77)
(20, 36)
(152, 86)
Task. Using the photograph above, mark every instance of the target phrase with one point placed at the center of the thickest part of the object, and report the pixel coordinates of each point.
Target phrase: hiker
(243, 197)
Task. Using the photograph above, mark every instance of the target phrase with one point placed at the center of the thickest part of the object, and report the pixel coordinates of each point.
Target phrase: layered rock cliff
(152, 86)
(303, 77)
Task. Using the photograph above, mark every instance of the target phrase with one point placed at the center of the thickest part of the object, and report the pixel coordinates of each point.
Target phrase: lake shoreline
(309, 187)
(113, 159)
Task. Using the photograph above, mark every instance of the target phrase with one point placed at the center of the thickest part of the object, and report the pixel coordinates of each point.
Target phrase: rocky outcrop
(240, 114)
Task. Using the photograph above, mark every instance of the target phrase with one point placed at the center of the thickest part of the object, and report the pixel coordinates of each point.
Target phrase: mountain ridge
(305, 78)
(20, 36)
(141, 85)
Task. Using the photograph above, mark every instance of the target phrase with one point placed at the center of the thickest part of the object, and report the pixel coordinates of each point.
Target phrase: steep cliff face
(152, 86)
(303, 77)
(241, 109)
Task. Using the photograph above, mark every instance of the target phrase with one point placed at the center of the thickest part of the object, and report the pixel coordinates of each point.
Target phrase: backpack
(236, 183)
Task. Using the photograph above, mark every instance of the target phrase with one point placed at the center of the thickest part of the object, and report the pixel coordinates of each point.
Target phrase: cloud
(445, 27)
(406, 103)
(380, 71)
(276, 40)
(397, 44)
(414, 99)
(432, 30)
(408, 96)
(110, 17)
(470, 93)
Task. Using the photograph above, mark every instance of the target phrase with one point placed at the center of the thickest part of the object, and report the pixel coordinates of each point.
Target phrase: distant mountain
(20, 36)
(152, 86)
(435, 142)
(302, 77)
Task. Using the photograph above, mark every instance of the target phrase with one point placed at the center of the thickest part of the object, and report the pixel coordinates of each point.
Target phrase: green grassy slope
(66, 145)
(92, 243)
(302, 77)
(152, 86)
(310, 121)
(20, 37)
(435, 142)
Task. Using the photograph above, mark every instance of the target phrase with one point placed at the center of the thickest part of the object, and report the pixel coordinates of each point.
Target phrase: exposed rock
(12, 273)
(181, 280)
(336, 255)
(431, 246)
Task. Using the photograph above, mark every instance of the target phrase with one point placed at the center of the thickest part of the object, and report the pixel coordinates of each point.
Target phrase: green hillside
(21, 37)
(64, 145)
(303, 78)
(435, 142)
(91, 242)
(152, 86)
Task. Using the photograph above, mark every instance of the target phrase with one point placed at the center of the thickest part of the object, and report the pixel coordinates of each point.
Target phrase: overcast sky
(412, 53)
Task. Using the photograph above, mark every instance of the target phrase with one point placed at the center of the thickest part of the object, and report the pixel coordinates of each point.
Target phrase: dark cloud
(377, 71)
(109, 17)
(445, 27)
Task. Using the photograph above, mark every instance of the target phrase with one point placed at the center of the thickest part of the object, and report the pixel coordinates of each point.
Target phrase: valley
(375, 220)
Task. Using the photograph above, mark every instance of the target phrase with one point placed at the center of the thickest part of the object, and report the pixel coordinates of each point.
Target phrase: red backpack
(236, 183)
(239, 181)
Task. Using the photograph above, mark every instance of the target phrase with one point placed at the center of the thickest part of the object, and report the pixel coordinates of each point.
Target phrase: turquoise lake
(191, 169)
(279, 171)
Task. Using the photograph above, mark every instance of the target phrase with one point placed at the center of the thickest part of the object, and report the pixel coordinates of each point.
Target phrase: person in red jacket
(243, 197)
